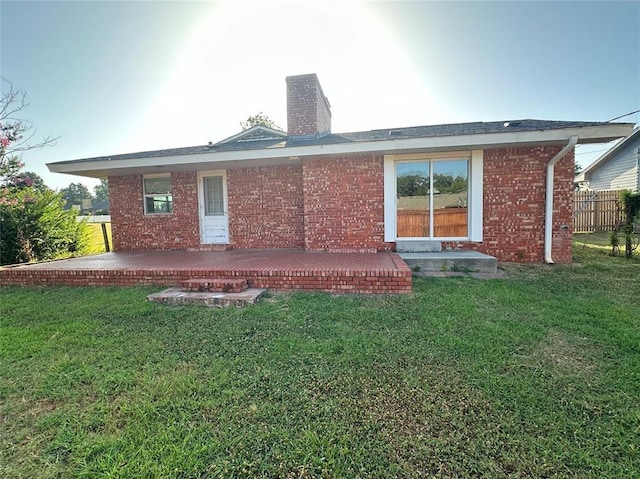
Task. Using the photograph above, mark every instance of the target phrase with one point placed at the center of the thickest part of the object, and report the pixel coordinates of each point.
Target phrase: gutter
(548, 210)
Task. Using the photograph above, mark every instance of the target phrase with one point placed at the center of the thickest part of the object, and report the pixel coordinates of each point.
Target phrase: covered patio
(279, 270)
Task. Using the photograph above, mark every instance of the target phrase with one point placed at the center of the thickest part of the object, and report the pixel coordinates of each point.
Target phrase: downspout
(548, 211)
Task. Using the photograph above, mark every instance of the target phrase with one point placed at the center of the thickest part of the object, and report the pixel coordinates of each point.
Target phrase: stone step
(222, 285)
(418, 246)
(175, 296)
(465, 261)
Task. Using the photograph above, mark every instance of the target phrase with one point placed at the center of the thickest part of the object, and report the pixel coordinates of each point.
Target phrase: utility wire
(587, 152)
(622, 116)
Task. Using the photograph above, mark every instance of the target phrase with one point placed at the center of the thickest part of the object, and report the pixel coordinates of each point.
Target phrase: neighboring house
(479, 186)
(617, 169)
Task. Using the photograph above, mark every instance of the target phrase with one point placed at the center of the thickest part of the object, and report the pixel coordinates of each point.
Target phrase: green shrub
(35, 227)
(631, 209)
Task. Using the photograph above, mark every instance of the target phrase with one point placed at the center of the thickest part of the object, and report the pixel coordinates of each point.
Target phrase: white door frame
(475, 199)
(220, 222)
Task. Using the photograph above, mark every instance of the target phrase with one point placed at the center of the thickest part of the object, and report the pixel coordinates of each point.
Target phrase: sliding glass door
(432, 198)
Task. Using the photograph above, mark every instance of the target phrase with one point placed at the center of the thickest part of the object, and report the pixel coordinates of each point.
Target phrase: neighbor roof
(610, 153)
(260, 143)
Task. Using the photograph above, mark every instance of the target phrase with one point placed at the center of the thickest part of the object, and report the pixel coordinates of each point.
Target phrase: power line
(622, 116)
(587, 152)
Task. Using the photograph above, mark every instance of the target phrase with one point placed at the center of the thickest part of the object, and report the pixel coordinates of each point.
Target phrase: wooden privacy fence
(596, 211)
(447, 223)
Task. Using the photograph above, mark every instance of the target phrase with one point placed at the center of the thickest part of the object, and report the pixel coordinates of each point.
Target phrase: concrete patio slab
(446, 261)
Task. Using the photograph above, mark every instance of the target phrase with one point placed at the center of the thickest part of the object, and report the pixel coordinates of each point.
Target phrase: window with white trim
(157, 194)
(434, 196)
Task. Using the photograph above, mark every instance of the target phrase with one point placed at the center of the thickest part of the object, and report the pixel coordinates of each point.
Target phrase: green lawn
(533, 375)
(96, 245)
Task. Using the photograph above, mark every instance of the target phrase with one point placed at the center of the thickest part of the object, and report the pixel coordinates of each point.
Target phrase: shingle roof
(239, 142)
(454, 129)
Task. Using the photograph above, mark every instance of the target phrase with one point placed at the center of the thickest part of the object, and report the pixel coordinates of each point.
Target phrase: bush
(34, 226)
(631, 208)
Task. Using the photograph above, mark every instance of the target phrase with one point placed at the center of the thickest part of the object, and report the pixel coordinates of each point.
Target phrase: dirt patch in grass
(569, 354)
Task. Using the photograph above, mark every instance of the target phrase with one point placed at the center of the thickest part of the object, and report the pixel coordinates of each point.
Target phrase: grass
(533, 375)
(97, 245)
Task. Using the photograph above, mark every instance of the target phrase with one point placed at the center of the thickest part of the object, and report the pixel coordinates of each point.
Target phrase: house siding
(133, 230)
(265, 207)
(618, 173)
(514, 205)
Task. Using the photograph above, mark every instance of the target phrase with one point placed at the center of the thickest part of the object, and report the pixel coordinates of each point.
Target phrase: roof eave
(609, 153)
(101, 167)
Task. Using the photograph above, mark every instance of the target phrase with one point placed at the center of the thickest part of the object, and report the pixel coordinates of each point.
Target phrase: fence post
(105, 237)
(596, 214)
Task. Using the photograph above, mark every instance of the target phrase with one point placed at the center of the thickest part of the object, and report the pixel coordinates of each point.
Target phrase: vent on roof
(394, 132)
(510, 124)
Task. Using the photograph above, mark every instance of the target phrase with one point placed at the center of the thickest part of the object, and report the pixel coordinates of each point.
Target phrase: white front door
(212, 200)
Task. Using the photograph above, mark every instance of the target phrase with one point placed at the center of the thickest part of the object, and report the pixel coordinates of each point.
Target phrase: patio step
(220, 285)
(465, 261)
(175, 296)
(418, 246)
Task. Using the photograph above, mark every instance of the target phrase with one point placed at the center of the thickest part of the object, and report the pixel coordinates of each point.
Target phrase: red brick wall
(396, 280)
(133, 230)
(265, 207)
(514, 199)
(343, 204)
(337, 205)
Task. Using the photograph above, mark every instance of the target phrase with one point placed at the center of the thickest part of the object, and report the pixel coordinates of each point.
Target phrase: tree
(577, 168)
(101, 191)
(16, 134)
(74, 194)
(100, 203)
(449, 184)
(631, 209)
(413, 185)
(259, 119)
(26, 179)
(33, 223)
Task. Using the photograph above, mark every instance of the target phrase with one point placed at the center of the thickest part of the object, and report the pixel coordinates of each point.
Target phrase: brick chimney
(308, 110)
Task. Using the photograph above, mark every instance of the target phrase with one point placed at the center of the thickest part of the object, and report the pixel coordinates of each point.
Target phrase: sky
(116, 77)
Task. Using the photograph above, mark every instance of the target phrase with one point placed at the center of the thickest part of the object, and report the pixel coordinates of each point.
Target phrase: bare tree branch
(17, 134)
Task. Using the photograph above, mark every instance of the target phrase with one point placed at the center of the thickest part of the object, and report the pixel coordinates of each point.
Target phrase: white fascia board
(490, 140)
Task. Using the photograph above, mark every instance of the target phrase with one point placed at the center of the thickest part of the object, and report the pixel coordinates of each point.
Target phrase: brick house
(478, 186)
